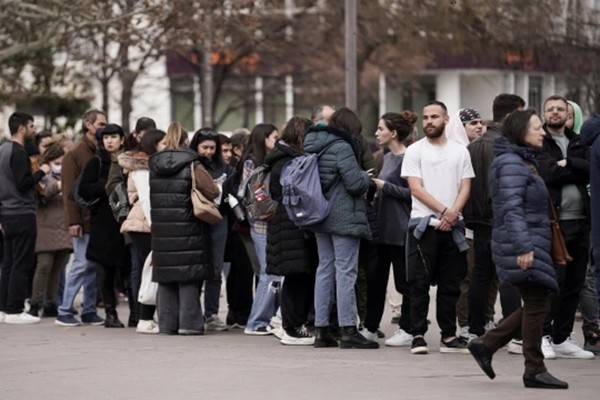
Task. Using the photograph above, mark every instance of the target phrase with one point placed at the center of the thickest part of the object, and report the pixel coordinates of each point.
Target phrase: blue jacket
(521, 222)
(339, 170)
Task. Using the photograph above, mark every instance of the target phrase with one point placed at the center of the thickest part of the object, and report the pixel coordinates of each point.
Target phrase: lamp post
(351, 69)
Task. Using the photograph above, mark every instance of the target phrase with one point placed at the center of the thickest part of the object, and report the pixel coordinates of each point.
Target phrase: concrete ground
(50, 362)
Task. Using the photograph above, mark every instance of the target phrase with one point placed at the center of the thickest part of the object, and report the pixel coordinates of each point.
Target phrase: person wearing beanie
(106, 245)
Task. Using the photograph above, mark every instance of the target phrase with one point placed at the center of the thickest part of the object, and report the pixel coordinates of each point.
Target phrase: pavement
(48, 362)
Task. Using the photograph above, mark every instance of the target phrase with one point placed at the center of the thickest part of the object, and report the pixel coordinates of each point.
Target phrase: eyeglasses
(559, 109)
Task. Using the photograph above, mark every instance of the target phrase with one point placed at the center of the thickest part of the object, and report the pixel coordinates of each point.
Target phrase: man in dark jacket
(478, 217)
(564, 166)
(18, 218)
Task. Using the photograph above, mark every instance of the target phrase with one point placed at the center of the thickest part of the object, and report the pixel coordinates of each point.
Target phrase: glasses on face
(557, 109)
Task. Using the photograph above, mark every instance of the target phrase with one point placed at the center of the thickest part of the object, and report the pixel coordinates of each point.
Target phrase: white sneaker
(147, 326)
(21, 319)
(570, 349)
(372, 336)
(275, 322)
(464, 333)
(400, 338)
(547, 349)
(2, 317)
(515, 347)
(278, 332)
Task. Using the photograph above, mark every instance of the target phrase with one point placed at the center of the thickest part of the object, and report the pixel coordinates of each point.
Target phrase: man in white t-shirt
(439, 174)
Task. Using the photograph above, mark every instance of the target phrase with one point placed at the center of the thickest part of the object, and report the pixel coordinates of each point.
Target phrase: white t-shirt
(441, 169)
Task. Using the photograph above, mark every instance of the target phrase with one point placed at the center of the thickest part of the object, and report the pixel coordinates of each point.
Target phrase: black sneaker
(297, 336)
(456, 345)
(592, 342)
(419, 346)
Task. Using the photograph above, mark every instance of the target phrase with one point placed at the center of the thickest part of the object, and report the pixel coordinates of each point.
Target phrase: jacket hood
(281, 150)
(170, 162)
(590, 129)
(133, 161)
(577, 117)
(324, 135)
(503, 146)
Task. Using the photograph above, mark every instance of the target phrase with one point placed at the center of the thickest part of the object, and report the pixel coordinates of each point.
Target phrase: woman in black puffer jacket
(521, 240)
(291, 252)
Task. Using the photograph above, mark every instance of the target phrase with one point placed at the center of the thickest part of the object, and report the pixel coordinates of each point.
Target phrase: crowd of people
(469, 209)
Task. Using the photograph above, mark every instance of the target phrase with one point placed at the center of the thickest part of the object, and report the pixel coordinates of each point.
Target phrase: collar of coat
(133, 161)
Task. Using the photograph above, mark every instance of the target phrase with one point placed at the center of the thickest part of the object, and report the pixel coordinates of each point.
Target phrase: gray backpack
(303, 197)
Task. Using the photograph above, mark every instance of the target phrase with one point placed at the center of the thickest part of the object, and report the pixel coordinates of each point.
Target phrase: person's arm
(205, 183)
(451, 215)
(20, 166)
(355, 180)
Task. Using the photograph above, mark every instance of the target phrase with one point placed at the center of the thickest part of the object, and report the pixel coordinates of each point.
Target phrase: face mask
(56, 169)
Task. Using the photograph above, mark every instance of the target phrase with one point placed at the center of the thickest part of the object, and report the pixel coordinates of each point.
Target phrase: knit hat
(109, 129)
(468, 114)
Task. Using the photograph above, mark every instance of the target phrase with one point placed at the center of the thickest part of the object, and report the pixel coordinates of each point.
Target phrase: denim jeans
(336, 275)
(82, 273)
(212, 288)
(265, 299)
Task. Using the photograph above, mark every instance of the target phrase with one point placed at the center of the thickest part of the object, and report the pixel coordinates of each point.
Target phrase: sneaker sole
(297, 342)
(93, 323)
(59, 323)
(359, 346)
(401, 344)
(419, 350)
(217, 328)
(574, 357)
(255, 333)
(447, 350)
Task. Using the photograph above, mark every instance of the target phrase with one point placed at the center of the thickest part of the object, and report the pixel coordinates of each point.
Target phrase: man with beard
(18, 218)
(564, 166)
(439, 174)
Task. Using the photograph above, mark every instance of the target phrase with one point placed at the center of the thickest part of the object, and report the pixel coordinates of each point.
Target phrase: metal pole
(351, 70)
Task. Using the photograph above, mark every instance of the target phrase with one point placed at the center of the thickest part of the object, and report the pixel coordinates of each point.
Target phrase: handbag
(560, 254)
(148, 288)
(204, 209)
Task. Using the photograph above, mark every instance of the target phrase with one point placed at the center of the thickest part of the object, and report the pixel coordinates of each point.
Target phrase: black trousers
(377, 281)
(239, 282)
(296, 296)
(143, 244)
(434, 260)
(484, 272)
(527, 323)
(18, 265)
(559, 323)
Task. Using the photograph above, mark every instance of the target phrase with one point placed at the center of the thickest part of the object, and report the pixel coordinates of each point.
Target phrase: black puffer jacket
(289, 249)
(180, 242)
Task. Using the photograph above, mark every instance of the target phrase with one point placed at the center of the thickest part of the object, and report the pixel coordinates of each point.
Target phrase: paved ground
(49, 362)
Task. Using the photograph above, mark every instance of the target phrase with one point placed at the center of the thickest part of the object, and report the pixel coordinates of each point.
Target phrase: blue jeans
(82, 273)
(212, 288)
(265, 300)
(336, 276)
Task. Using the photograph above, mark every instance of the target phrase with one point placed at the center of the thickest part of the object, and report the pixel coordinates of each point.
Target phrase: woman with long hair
(521, 242)
(207, 143)
(137, 224)
(180, 241)
(261, 142)
(338, 236)
(393, 212)
(291, 252)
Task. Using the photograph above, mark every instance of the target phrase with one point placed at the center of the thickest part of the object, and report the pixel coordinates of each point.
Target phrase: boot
(352, 339)
(112, 319)
(324, 338)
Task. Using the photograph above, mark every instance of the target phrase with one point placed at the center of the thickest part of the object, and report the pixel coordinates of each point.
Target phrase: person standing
(18, 218)
(521, 239)
(478, 214)
(565, 168)
(77, 221)
(439, 174)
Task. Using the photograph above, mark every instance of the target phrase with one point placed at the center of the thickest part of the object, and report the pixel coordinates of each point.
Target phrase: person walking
(521, 240)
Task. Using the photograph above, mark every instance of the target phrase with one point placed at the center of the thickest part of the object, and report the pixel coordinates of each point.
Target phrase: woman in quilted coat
(521, 241)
